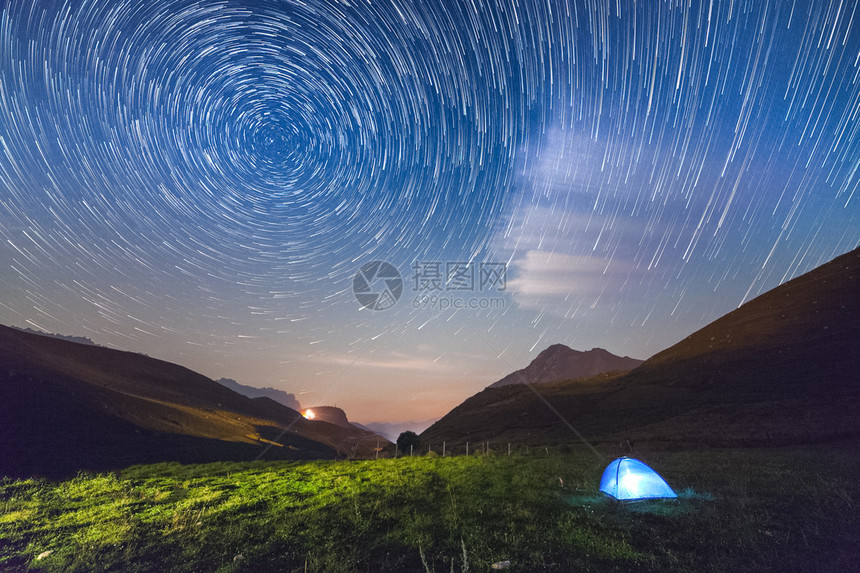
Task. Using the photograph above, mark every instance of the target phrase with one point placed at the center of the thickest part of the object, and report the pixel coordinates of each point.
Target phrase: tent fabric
(628, 479)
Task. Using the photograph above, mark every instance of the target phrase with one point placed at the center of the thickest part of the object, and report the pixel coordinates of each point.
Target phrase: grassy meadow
(766, 509)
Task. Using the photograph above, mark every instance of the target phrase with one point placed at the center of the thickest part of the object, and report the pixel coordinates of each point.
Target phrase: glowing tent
(628, 479)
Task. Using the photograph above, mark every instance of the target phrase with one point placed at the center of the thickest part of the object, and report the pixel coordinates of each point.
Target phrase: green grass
(737, 510)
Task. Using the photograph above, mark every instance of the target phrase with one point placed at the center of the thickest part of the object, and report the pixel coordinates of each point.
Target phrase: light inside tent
(629, 479)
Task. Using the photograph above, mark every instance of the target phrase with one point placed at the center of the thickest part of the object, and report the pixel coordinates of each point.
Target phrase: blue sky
(202, 182)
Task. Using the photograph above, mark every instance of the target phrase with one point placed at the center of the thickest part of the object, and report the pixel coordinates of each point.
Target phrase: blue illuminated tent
(628, 479)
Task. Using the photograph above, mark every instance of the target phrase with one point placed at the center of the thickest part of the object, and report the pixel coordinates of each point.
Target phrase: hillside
(67, 406)
(559, 362)
(782, 368)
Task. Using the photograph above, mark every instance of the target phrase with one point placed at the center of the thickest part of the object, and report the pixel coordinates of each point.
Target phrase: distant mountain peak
(279, 396)
(560, 362)
(558, 346)
(556, 350)
(330, 414)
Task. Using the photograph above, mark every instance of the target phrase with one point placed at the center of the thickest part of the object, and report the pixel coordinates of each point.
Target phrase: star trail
(201, 181)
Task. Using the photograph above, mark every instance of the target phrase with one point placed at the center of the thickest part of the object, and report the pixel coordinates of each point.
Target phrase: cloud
(545, 278)
(390, 361)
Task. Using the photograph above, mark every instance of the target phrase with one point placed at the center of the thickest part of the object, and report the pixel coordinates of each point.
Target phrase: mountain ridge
(782, 368)
(287, 399)
(392, 430)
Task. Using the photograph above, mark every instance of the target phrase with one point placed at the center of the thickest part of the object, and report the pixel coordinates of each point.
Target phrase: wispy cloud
(445, 364)
(553, 274)
(572, 236)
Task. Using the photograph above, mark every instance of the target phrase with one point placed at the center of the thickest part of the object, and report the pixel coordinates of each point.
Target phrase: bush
(407, 441)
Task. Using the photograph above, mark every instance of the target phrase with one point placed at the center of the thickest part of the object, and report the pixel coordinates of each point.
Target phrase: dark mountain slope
(785, 367)
(66, 406)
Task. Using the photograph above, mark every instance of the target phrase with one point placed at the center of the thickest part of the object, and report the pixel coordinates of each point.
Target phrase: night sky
(201, 181)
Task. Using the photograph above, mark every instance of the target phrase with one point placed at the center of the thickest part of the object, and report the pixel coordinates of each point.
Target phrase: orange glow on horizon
(309, 414)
